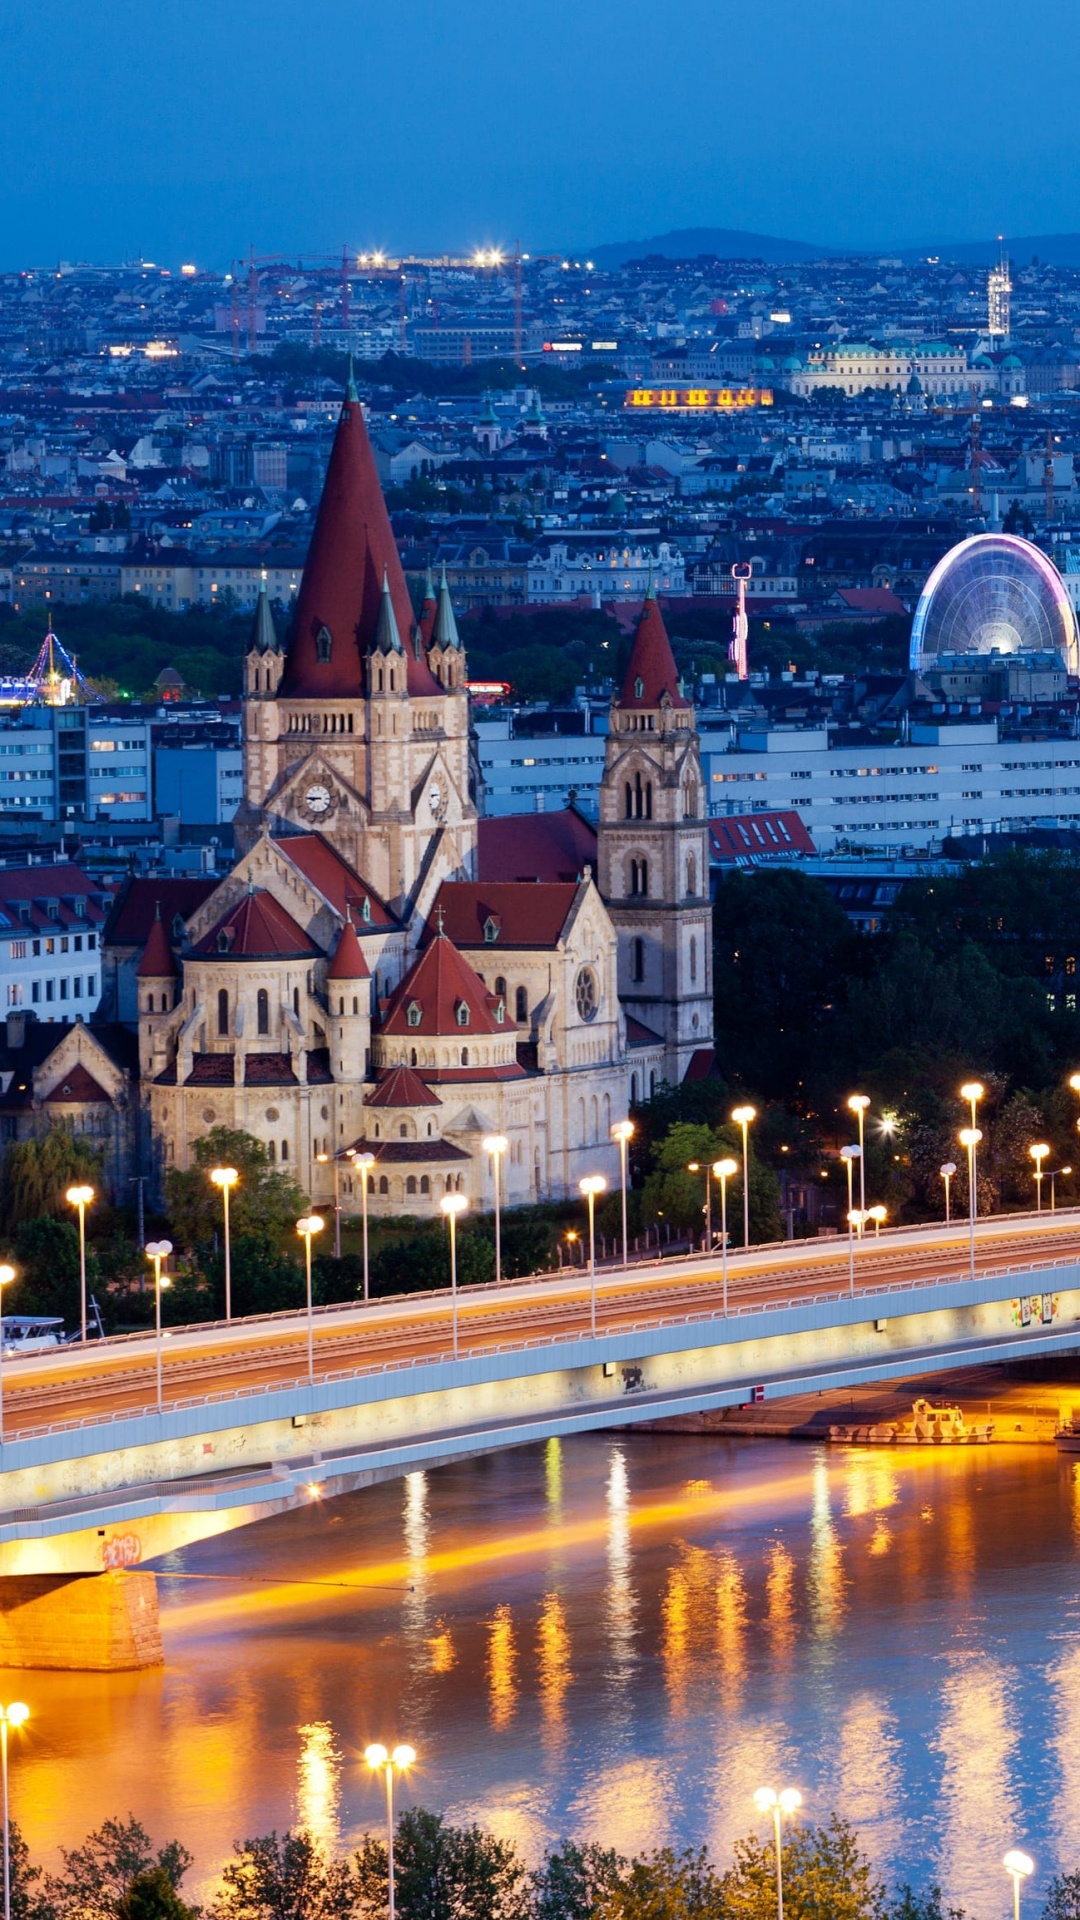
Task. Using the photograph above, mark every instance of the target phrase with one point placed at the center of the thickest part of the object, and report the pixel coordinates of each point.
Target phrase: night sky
(191, 129)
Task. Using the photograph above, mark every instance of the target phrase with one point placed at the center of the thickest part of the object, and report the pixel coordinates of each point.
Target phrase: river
(616, 1637)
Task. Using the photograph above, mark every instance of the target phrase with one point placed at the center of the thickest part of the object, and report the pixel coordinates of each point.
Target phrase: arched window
(639, 878)
(150, 1003)
(637, 959)
(355, 1004)
(223, 1010)
(464, 1056)
(403, 1129)
(648, 799)
(693, 957)
(462, 1013)
(271, 1153)
(284, 1150)
(262, 1010)
(500, 986)
(410, 1184)
(296, 1001)
(633, 1090)
(341, 1005)
(425, 1183)
(521, 1005)
(384, 1184)
(629, 801)
(691, 875)
(371, 1183)
(412, 1057)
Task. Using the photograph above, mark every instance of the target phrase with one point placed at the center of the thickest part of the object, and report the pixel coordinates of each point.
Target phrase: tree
(666, 1886)
(264, 1203)
(28, 1898)
(100, 1875)
(826, 1877)
(443, 1872)
(35, 1175)
(575, 1881)
(1063, 1897)
(152, 1896)
(47, 1267)
(672, 1193)
(289, 1878)
(781, 947)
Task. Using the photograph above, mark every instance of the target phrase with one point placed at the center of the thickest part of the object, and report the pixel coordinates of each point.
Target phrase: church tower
(363, 733)
(653, 850)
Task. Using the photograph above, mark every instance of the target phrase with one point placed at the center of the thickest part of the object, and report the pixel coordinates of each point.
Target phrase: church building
(385, 970)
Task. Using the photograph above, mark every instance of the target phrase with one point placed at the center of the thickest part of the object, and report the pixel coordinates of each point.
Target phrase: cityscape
(539, 914)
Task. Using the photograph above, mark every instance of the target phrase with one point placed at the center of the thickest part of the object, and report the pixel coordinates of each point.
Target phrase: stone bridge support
(80, 1623)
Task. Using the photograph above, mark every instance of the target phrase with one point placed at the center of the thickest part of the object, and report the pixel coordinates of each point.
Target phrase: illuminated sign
(698, 399)
(563, 346)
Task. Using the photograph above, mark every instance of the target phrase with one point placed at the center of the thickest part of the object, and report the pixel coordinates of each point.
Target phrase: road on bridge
(104, 1379)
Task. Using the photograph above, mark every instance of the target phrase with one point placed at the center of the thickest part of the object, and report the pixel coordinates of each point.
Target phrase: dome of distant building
(994, 593)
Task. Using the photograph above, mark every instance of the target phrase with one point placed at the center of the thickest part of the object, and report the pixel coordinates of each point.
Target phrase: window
(521, 1005)
(461, 1014)
(464, 1056)
(296, 1001)
(262, 1010)
(63, 989)
(425, 1183)
(691, 875)
(637, 959)
(585, 994)
(76, 987)
(639, 877)
(323, 644)
(14, 994)
(384, 1184)
(91, 985)
(284, 1150)
(639, 688)
(413, 1014)
(410, 1184)
(500, 986)
(693, 958)
(491, 931)
(270, 1152)
(18, 949)
(35, 991)
(223, 1011)
(50, 989)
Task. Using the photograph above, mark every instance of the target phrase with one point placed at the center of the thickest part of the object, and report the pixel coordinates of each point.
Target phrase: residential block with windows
(51, 922)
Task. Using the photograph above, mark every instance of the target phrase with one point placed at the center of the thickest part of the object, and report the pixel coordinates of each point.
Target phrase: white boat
(1067, 1437)
(926, 1426)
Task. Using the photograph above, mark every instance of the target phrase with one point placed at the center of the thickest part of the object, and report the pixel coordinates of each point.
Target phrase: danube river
(619, 1638)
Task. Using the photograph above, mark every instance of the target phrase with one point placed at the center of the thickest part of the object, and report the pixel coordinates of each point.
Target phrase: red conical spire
(352, 547)
(348, 962)
(652, 671)
(158, 961)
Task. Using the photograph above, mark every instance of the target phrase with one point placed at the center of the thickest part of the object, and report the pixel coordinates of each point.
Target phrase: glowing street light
(1038, 1153)
(878, 1215)
(157, 1251)
(623, 1132)
(1018, 1866)
(307, 1228)
(323, 1160)
(972, 1091)
(742, 1116)
(362, 1164)
(226, 1178)
(14, 1716)
(382, 1762)
(495, 1145)
(452, 1204)
(81, 1197)
(723, 1170)
(694, 1166)
(858, 1104)
(1074, 1082)
(590, 1186)
(946, 1173)
(7, 1274)
(969, 1139)
(1054, 1171)
(849, 1155)
(788, 1800)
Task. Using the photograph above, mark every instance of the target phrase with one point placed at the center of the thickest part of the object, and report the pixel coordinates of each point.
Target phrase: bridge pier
(80, 1623)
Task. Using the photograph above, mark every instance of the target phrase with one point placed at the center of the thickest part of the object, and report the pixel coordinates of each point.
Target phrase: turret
(446, 656)
(158, 979)
(264, 660)
(348, 999)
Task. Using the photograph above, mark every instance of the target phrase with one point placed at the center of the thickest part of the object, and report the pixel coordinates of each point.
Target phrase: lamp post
(226, 1178)
(592, 1184)
(307, 1228)
(742, 1117)
(694, 1166)
(14, 1716)
(452, 1204)
(325, 1159)
(1018, 1866)
(858, 1104)
(382, 1762)
(623, 1132)
(1074, 1082)
(495, 1145)
(972, 1091)
(7, 1274)
(157, 1251)
(1054, 1171)
(969, 1139)
(788, 1800)
(723, 1170)
(878, 1215)
(849, 1155)
(81, 1197)
(1038, 1153)
(946, 1173)
(363, 1163)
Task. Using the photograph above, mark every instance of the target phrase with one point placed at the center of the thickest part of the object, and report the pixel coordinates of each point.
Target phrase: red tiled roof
(137, 908)
(439, 983)
(348, 962)
(652, 663)
(209, 1070)
(702, 1064)
(351, 548)
(501, 913)
(745, 838)
(339, 883)
(257, 928)
(269, 1070)
(871, 599)
(536, 846)
(78, 1085)
(416, 1152)
(639, 1035)
(158, 961)
(401, 1086)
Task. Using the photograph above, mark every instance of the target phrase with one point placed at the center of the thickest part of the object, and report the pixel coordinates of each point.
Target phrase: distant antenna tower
(998, 289)
(741, 572)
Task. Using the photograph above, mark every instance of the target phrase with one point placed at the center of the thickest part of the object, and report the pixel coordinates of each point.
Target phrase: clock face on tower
(317, 799)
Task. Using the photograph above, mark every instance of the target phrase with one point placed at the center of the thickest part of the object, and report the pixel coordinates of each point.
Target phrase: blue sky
(194, 128)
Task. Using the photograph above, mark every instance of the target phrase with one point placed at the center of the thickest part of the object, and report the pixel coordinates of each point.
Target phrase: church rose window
(585, 994)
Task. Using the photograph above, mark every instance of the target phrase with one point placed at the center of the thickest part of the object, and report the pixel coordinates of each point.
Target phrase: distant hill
(724, 243)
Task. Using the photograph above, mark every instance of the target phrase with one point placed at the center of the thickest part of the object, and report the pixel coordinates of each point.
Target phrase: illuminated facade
(696, 399)
(998, 294)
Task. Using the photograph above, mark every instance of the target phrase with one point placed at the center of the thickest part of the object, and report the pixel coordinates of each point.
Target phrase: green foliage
(264, 1203)
(780, 946)
(99, 1876)
(575, 1881)
(35, 1174)
(1062, 1898)
(29, 1900)
(908, 1905)
(674, 1194)
(205, 645)
(289, 1878)
(153, 1896)
(666, 1886)
(826, 1877)
(443, 1872)
(47, 1269)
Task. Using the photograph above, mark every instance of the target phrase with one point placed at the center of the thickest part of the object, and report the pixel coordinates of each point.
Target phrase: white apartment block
(51, 921)
(605, 570)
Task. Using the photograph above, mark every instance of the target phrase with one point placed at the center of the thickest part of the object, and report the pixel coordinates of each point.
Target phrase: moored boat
(925, 1426)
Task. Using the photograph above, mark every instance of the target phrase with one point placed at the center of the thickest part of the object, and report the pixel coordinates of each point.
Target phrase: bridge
(97, 1482)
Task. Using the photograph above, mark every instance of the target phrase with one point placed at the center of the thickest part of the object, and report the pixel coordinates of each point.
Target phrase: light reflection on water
(619, 1638)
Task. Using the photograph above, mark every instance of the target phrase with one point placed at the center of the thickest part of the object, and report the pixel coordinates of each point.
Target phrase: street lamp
(157, 1251)
(786, 1801)
(623, 1132)
(382, 1762)
(694, 1166)
(1074, 1082)
(592, 1184)
(324, 1159)
(972, 1091)
(226, 1178)
(1054, 1171)
(849, 1155)
(969, 1139)
(1038, 1154)
(858, 1104)
(14, 1716)
(307, 1228)
(723, 1170)
(946, 1173)
(878, 1215)
(81, 1197)
(495, 1145)
(742, 1117)
(1018, 1866)
(7, 1274)
(363, 1163)
(452, 1204)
